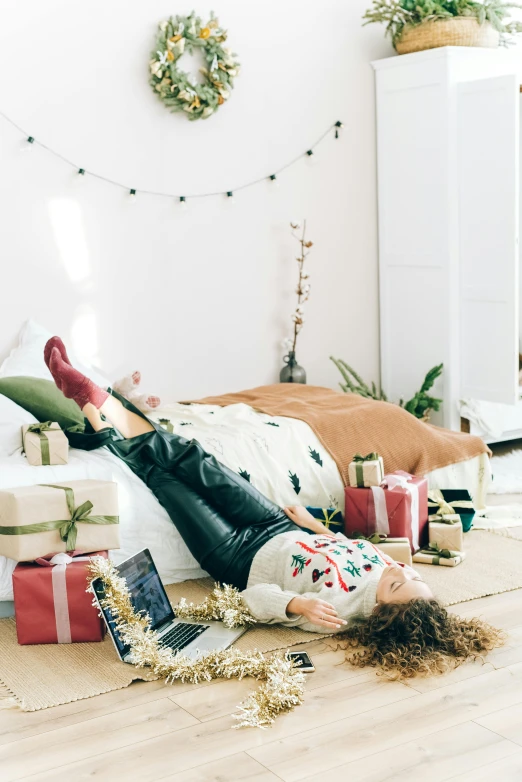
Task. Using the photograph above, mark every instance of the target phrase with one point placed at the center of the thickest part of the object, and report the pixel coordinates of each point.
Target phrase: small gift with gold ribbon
(332, 518)
(51, 518)
(433, 554)
(45, 444)
(51, 602)
(365, 471)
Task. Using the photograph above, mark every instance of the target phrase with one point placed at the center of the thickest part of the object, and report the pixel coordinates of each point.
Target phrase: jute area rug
(38, 677)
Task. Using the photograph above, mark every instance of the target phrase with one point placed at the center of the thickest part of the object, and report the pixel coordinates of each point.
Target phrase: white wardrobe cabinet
(448, 197)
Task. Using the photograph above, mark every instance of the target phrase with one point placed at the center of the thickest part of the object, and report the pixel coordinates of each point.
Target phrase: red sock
(55, 342)
(73, 384)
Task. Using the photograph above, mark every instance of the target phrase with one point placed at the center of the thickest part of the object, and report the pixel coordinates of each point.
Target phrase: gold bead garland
(283, 684)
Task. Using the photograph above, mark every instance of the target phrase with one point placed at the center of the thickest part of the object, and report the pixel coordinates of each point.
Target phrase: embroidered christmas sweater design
(341, 571)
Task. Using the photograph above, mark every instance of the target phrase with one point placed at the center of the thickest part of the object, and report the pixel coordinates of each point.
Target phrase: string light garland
(31, 141)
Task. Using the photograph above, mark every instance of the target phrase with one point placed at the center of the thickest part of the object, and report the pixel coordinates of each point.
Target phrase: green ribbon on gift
(359, 465)
(446, 510)
(375, 538)
(166, 424)
(438, 553)
(40, 429)
(67, 527)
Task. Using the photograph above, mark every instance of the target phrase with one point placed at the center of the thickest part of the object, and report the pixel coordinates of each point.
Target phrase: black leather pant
(222, 518)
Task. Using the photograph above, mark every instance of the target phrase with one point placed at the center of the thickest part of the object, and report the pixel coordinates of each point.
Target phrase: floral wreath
(173, 85)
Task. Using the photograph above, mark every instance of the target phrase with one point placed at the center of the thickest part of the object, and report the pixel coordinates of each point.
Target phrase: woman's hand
(300, 516)
(318, 612)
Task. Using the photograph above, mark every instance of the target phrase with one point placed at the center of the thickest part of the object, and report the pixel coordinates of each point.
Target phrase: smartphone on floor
(304, 661)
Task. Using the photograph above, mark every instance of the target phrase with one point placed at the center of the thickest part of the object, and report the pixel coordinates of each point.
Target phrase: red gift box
(397, 508)
(52, 605)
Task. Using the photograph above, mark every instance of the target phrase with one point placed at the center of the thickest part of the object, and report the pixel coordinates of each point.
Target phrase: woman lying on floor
(290, 568)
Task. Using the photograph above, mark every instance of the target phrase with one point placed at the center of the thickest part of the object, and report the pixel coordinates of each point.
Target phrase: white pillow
(27, 358)
(12, 418)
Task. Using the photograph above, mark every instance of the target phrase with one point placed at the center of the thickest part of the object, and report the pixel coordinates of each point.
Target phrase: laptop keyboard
(181, 635)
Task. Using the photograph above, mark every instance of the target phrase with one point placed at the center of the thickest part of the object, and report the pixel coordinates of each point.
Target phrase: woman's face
(400, 585)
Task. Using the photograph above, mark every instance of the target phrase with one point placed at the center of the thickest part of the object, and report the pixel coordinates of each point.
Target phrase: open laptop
(148, 596)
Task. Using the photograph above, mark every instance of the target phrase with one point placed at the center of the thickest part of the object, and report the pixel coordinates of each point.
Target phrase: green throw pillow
(42, 399)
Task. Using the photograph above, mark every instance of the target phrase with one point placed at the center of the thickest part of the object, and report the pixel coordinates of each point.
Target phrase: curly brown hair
(417, 638)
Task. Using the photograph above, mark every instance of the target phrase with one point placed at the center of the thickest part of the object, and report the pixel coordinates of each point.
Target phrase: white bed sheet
(282, 456)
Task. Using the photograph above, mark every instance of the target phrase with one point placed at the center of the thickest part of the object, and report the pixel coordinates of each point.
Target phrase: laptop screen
(147, 594)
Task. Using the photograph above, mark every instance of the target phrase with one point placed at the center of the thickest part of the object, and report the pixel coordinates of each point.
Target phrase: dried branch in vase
(292, 372)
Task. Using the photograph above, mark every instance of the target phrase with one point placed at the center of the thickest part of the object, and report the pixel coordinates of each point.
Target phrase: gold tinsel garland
(283, 684)
(223, 604)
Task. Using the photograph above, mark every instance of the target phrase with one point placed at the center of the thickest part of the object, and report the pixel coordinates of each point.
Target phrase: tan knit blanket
(347, 424)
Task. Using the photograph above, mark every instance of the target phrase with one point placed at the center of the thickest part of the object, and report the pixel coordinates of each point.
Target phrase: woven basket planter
(459, 31)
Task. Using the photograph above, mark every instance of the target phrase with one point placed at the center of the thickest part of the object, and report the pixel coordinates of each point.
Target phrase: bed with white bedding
(282, 457)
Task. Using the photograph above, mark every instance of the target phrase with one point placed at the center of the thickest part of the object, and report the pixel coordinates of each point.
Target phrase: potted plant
(415, 25)
(420, 405)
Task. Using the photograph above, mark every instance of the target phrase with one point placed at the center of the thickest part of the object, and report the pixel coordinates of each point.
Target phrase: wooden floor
(353, 726)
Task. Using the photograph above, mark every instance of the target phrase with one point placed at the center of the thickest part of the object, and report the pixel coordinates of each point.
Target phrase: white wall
(200, 300)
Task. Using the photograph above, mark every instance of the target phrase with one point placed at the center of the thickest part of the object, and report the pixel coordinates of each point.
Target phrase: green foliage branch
(396, 14)
(421, 403)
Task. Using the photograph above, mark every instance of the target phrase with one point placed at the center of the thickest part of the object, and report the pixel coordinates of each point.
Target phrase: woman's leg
(225, 552)
(92, 414)
(126, 422)
(234, 497)
(92, 399)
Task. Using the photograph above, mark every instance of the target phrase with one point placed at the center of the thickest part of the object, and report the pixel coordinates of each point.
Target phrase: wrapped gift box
(332, 518)
(47, 519)
(443, 557)
(45, 444)
(446, 536)
(366, 470)
(399, 508)
(52, 605)
(459, 502)
(398, 549)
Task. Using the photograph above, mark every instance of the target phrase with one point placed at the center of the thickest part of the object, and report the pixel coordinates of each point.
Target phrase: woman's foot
(73, 384)
(55, 342)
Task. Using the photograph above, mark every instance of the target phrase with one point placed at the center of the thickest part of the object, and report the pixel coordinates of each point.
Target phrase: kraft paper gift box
(52, 518)
(52, 605)
(433, 555)
(398, 508)
(45, 444)
(446, 535)
(332, 518)
(366, 470)
(448, 502)
(398, 549)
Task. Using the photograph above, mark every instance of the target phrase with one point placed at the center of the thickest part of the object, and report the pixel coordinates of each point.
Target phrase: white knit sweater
(343, 572)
